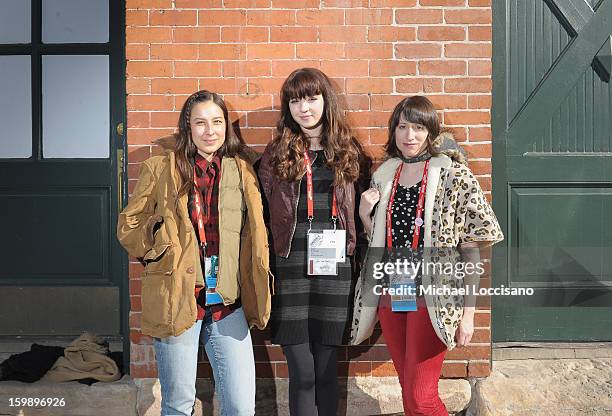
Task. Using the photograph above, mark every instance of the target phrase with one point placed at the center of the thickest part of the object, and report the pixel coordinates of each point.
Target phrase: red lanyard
(310, 193)
(418, 221)
(198, 207)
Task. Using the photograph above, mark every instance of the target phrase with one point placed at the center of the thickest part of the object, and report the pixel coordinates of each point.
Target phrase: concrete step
(118, 398)
(360, 396)
(550, 387)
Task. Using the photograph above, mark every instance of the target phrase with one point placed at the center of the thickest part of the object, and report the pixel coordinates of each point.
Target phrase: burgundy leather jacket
(281, 199)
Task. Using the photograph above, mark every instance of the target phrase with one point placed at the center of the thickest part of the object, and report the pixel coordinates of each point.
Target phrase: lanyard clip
(334, 221)
(310, 218)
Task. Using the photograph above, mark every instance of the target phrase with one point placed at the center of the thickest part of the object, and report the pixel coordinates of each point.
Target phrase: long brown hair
(415, 109)
(185, 150)
(341, 149)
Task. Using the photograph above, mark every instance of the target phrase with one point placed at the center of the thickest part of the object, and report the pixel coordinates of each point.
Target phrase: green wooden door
(61, 72)
(552, 158)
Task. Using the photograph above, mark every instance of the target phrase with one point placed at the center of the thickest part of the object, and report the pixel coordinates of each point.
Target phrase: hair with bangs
(415, 109)
(341, 149)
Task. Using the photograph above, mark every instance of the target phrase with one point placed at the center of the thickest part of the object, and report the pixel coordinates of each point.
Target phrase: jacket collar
(386, 171)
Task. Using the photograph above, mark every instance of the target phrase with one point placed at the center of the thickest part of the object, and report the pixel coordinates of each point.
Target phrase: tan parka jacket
(170, 249)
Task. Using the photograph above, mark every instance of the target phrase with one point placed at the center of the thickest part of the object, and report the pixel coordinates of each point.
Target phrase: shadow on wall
(259, 123)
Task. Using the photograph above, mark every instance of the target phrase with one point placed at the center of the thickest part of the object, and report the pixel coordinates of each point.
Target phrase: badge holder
(326, 248)
(405, 302)
(211, 269)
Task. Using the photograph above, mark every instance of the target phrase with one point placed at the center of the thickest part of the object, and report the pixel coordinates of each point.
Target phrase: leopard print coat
(456, 212)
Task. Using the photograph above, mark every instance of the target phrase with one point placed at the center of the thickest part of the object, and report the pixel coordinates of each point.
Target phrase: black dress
(311, 308)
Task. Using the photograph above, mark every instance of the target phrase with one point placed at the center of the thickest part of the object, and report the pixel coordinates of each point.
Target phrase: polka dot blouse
(403, 214)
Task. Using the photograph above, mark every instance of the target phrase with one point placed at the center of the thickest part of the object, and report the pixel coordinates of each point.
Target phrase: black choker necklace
(420, 158)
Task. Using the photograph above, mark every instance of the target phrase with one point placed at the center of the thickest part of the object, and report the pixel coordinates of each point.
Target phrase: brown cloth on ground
(85, 357)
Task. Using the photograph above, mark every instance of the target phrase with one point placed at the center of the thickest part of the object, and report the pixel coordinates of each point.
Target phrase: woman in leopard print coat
(456, 221)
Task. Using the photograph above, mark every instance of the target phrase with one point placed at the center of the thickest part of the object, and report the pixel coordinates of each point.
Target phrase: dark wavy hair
(185, 150)
(341, 149)
(415, 109)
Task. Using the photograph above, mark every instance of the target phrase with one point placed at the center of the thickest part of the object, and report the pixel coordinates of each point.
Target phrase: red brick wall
(376, 51)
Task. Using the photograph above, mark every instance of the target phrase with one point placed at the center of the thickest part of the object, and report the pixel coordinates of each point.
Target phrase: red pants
(417, 355)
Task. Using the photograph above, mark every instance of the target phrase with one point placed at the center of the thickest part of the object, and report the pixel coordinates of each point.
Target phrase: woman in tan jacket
(195, 220)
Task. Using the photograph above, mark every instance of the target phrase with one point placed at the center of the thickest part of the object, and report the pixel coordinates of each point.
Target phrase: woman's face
(307, 111)
(410, 138)
(207, 128)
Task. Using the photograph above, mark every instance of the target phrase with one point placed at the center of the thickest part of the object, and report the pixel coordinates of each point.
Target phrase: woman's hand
(368, 199)
(465, 331)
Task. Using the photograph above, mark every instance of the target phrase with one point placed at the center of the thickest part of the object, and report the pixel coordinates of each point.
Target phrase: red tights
(417, 355)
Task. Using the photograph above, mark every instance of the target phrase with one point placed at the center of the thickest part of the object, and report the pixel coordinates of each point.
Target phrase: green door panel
(60, 311)
(536, 40)
(560, 236)
(64, 234)
(548, 324)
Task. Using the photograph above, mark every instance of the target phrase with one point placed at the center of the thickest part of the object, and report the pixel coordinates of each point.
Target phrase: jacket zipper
(373, 217)
(297, 202)
(372, 230)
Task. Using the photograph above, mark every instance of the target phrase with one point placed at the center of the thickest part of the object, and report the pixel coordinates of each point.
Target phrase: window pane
(15, 21)
(16, 105)
(75, 21)
(76, 121)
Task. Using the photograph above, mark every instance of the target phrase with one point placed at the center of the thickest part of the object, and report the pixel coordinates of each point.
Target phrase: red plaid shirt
(207, 179)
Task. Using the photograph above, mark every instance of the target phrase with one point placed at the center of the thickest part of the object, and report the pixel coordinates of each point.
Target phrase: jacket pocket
(159, 259)
(156, 300)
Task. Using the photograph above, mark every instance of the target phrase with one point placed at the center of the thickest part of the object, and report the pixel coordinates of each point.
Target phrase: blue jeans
(230, 352)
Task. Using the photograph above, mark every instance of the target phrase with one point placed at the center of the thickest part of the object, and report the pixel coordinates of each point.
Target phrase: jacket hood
(168, 144)
(446, 144)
